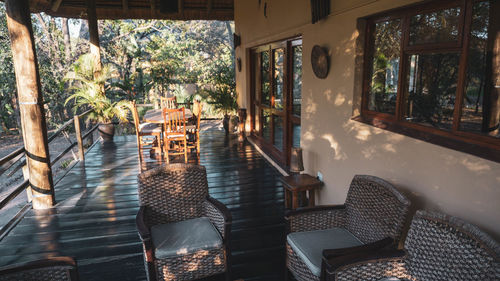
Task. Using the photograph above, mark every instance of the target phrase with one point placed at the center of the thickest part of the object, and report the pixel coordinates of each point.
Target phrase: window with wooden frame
(276, 97)
(432, 71)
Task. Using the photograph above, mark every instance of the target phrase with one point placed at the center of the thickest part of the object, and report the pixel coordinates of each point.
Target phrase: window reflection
(265, 83)
(297, 80)
(278, 78)
(432, 82)
(385, 67)
(475, 117)
(436, 27)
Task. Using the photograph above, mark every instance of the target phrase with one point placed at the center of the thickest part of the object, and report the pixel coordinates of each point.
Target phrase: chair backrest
(375, 209)
(173, 192)
(51, 269)
(442, 247)
(197, 110)
(175, 121)
(169, 103)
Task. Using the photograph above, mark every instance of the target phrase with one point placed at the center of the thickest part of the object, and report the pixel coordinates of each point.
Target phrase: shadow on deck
(94, 220)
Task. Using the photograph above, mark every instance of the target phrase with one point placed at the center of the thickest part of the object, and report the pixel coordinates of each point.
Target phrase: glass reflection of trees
(385, 67)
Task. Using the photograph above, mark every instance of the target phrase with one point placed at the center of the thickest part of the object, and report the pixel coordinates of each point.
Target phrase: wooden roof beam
(55, 5)
(153, 8)
(210, 5)
(181, 6)
(125, 6)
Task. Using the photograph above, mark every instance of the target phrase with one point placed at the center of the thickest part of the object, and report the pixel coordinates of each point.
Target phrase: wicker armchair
(372, 217)
(438, 247)
(52, 269)
(174, 198)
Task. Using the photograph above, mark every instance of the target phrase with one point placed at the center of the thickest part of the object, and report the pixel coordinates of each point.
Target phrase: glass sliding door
(276, 97)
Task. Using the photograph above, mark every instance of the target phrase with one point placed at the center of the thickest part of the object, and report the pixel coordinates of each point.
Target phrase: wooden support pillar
(95, 47)
(78, 133)
(30, 103)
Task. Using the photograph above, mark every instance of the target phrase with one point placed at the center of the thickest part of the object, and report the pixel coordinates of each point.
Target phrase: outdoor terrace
(94, 218)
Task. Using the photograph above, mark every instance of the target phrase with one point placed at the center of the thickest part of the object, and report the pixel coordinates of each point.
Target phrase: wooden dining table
(156, 116)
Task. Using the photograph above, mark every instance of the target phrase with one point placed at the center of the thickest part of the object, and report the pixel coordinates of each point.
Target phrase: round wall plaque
(319, 61)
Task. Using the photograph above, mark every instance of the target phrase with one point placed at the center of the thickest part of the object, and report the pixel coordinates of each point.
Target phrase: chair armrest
(54, 266)
(365, 265)
(386, 243)
(219, 215)
(140, 221)
(316, 218)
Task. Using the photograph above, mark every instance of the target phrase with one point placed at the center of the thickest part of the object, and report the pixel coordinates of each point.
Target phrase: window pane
(432, 82)
(278, 78)
(266, 125)
(473, 117)
(385, 67)
(296, 135)
(436, 27)
(278, 132)
(297, 79)
(265, 82)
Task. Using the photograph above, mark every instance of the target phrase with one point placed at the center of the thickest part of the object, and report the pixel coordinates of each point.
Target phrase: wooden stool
(299, 183)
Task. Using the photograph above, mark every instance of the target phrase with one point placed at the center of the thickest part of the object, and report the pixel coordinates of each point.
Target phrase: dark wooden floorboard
(94, 220)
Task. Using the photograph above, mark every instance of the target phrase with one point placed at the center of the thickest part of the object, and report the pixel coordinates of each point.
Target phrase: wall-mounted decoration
(238, 64)
(320, 9)
(236, 40)
(319, 62)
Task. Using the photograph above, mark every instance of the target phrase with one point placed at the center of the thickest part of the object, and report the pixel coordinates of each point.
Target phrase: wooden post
(94, 34)
(78, 133)
(30, 103)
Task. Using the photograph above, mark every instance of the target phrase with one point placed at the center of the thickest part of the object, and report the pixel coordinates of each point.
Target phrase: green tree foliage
(151, 58)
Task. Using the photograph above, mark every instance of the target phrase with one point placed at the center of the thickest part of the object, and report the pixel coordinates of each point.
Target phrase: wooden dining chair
(169, 103)
(175, 131)
(193, 130)
(143, 130)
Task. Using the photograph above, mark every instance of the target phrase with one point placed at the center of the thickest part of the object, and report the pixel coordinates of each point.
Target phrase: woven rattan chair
(373, 216)
(438, 247)
(173, 197)
(52, 269)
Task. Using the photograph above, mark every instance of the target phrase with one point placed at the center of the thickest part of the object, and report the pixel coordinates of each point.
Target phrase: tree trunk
(30, 103)
(67, 40)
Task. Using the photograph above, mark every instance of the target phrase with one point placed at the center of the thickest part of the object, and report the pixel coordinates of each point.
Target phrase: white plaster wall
(433, 177)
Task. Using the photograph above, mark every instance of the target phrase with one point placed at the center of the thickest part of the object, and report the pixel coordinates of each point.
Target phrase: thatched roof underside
(138, 9)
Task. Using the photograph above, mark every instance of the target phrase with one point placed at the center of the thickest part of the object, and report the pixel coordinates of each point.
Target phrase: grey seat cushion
(184, 237)
(309, 245)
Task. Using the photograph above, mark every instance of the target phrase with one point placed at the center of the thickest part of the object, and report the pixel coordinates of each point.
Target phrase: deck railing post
(30, 103)
(78, 133)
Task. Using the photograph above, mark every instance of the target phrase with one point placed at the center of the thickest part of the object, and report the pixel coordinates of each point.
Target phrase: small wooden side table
(299, 183)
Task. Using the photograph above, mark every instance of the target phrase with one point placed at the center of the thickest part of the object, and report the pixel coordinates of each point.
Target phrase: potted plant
(89, 90)
(224, 101)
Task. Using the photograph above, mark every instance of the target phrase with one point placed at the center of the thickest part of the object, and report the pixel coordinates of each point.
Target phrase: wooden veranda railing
(17, 155)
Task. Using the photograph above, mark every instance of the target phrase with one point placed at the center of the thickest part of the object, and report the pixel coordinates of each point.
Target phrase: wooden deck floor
(94, 220)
